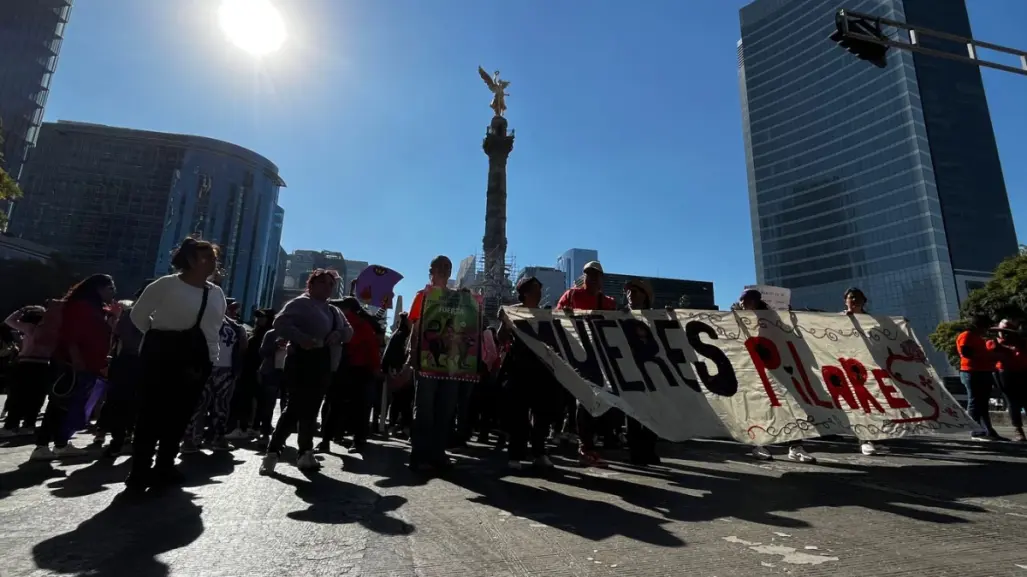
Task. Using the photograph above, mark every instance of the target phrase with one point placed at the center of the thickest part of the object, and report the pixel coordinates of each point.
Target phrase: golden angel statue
(498, 88)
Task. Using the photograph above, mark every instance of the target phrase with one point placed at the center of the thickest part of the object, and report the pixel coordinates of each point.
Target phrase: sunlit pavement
(949, 507)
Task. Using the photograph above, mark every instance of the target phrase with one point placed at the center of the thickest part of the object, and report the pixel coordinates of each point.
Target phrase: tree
(30, 282)
(1004, 297)
(9, 191)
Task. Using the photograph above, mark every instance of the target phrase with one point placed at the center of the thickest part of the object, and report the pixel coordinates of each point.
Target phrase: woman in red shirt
(1011, 363)
(977, 373)
(82, 346)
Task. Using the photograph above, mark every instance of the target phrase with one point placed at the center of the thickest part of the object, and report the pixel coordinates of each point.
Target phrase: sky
(627, 119)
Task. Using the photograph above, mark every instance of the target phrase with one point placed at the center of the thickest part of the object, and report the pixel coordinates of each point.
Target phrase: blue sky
(627, 116)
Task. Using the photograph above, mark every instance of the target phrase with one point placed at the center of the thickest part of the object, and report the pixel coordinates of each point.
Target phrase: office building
(353, 270)
(573, 261)
(31, 33)
(119, 201)
(886, 179)
(466, 272)
(553, 282)
(300, 263)
(12, 248)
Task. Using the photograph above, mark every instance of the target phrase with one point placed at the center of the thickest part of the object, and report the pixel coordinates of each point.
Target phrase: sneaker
(1019, 436)
(189, 447)
(868, 449)
(307, 462)
(515, 465)
(325, 446)
(138, 481)
(237, 435)
(544, 462)
(590, 459)
(220, 444)
(267, 466)
(69, 451)
(760, 452)
(798, 453)
(42, 453)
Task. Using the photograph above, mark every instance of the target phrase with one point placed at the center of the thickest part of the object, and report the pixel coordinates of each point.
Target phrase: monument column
(497, 145)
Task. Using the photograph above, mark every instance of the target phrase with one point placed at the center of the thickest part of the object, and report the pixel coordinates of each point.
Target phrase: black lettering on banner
(675, 355)
(544, 333)
(588, 367)
(645, 350)
(725, 382)
(613, 353)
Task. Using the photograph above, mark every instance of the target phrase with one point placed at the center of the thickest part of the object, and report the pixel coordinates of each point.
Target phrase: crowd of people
(175, 371)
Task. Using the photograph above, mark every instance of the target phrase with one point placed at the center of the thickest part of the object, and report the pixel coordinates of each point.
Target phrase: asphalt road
(928, 508)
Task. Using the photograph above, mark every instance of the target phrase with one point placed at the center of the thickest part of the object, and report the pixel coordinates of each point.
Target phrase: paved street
(928, 508)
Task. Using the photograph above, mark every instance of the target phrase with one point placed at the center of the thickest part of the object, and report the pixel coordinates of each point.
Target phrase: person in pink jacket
(31, 371)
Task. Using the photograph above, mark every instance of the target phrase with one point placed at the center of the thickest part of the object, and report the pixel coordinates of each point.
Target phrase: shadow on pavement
(125, 538)
(28, 474)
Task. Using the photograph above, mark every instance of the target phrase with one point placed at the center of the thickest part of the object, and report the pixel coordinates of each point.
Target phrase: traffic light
(847, 25)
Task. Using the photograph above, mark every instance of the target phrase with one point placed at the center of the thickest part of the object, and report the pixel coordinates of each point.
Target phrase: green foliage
(9, 190)
(29, 282)
(1004, 297)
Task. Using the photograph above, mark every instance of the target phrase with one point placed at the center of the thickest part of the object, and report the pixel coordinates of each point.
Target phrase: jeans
(435, 403)
(1013, 385)
(26, 393)
(65, 412)
(978, 386)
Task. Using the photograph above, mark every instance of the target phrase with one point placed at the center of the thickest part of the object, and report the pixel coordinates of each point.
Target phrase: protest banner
(763, 377)
(449, 335)
(777, 298)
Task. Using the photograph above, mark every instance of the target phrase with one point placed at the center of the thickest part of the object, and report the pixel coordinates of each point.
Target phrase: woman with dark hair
(855, 304)
(976, 373)
(316, 331)
(83, 342)
(26, 389)
(401, 407)
(180, 316)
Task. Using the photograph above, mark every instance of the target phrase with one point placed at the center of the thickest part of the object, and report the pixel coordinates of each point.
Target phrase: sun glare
(253, 25)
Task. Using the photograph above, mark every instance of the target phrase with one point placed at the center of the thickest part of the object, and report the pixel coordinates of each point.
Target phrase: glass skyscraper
(31, 33)
(573, 261)
(886, 179)
(118, 201)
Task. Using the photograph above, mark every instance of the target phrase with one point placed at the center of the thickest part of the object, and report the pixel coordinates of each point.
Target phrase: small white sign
(777, 298)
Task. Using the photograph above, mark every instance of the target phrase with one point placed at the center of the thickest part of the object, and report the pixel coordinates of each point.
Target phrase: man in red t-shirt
(588, 297)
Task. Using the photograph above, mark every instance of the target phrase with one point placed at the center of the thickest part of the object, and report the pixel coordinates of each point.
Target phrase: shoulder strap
(203, 306)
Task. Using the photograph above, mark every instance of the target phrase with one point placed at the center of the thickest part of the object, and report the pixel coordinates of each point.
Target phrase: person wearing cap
(976, 373)
(641, 439)
(1011, 363)
(532, 394)
(752, 300)
(587, 297)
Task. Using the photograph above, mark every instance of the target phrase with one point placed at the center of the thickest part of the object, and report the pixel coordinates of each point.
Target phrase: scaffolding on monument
(495, 286)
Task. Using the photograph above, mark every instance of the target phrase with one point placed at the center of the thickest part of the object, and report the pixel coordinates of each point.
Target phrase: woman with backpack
(180, 316)
(83, 342)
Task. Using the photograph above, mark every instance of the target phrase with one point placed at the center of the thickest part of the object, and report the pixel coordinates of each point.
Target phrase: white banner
(763, 377)
(777, 298)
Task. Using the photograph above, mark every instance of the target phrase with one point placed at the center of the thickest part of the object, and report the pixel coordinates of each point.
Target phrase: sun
(253, 25)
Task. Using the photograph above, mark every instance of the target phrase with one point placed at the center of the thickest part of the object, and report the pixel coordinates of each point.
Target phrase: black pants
(307, 375)
(361, 404)
(122, 405)
(1014, 386)
(244, 398)
(26, 393)
(401, 407)
(173, 374)
(530, 411)
(641, 442)
(268, 389)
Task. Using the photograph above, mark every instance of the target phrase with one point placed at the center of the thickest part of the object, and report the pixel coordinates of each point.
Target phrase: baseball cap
(642, 285)
(593, 265)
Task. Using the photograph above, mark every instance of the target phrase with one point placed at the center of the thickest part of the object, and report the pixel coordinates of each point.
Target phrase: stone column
(497, 145)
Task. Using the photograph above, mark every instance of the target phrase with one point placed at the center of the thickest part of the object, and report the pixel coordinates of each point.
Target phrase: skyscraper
(118, 201)
(31, 32)
(554, 282)
(573, 261)
(887, 179)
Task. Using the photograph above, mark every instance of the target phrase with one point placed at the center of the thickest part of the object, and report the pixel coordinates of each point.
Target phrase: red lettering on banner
(799, 366)
(765, 357)
(890, 393)
(857, 374)
(838, 386)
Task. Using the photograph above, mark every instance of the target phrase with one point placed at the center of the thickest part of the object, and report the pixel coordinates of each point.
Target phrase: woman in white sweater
(180, 316)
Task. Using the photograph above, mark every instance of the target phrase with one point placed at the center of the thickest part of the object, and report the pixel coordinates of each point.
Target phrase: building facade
(667, 292)
(118, 201)
(300, 263)
(31, 33)
(12, 248)
(553, 282)
(883, 179)
(573, 261)
(466, 272)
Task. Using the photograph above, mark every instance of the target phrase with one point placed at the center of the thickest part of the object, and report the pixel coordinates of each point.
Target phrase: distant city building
(667, 292)
(887, 179)
(300, 263)
(573, 261)
(466, 273)
(12, 248)
(553, 282)
(353, 270)
(31, 32)
(118, 201)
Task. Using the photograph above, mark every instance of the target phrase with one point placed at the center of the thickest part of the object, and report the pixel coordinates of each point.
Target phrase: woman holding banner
(641, 440)
(752, 300)
(855, 304)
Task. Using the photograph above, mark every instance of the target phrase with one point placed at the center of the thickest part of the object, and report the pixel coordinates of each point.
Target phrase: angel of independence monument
(494, 281)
